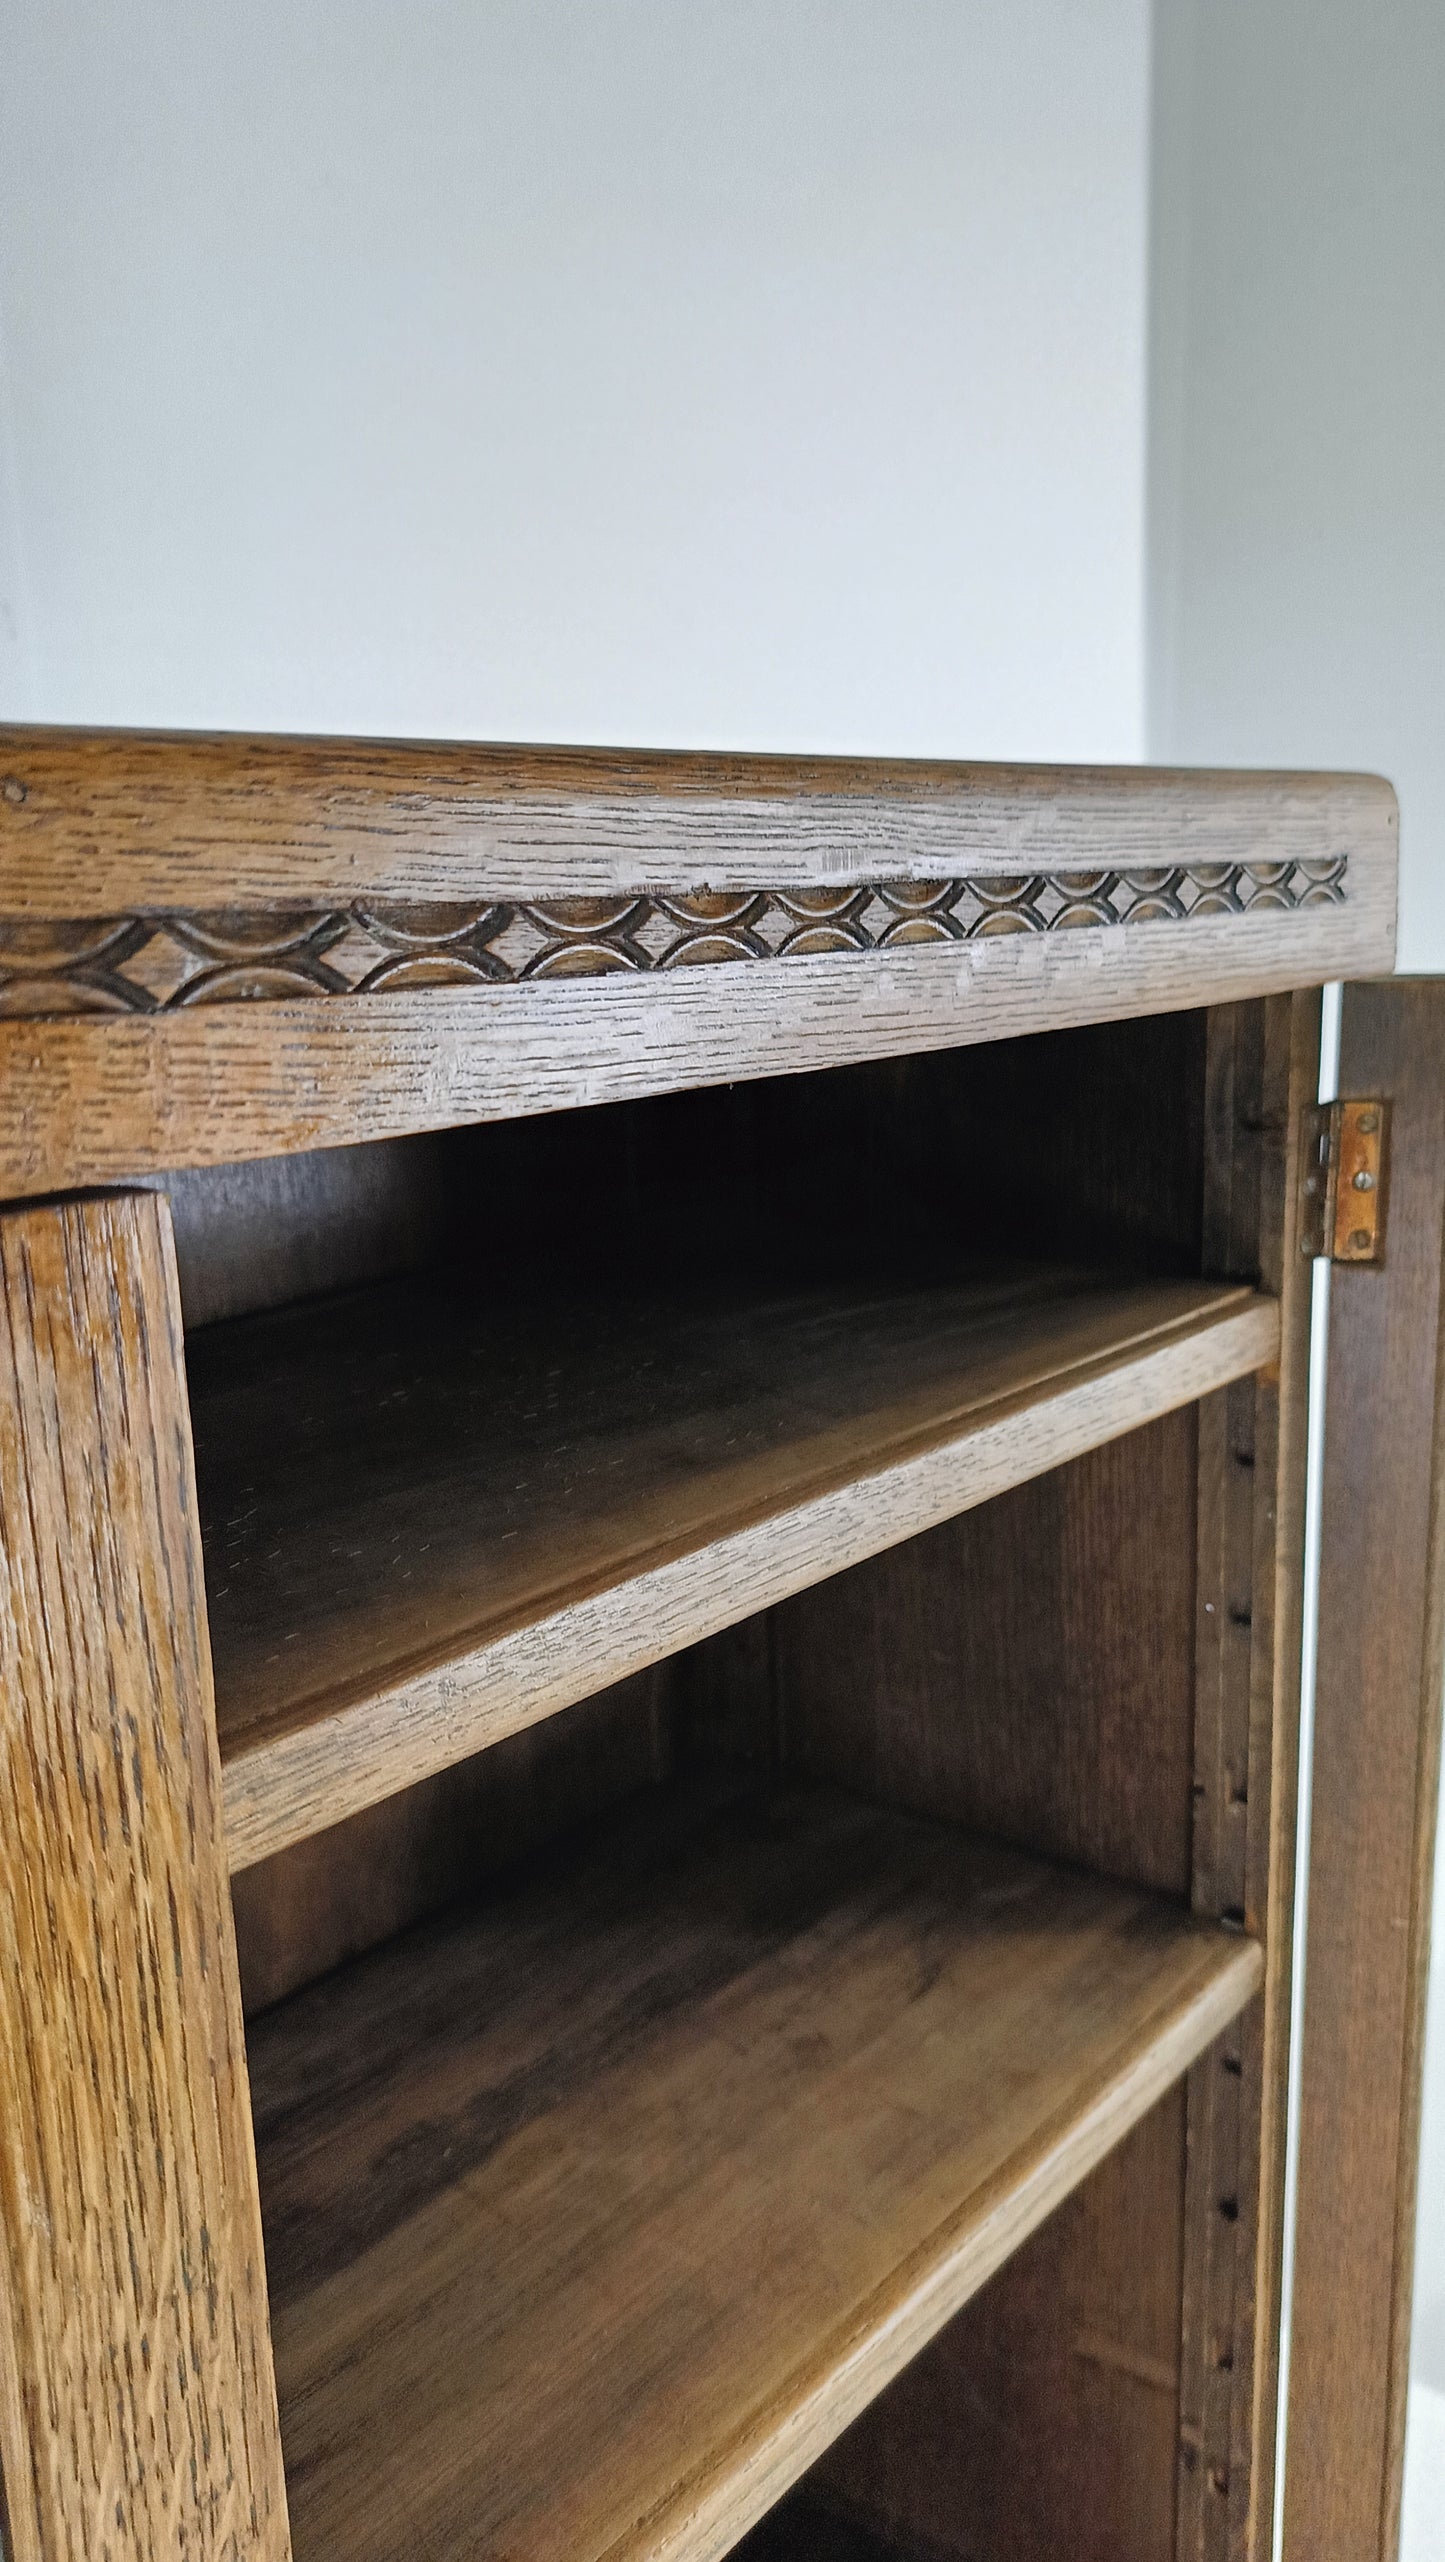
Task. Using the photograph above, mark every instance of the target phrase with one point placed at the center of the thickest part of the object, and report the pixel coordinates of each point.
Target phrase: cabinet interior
(943, 1800)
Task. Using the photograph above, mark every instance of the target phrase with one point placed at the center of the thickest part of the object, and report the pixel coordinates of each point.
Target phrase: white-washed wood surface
(137, 2403)
(94, 1099)
(94, 822)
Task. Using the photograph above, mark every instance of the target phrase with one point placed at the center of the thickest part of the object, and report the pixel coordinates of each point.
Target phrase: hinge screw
(1360, 1239)
(1364, 1180)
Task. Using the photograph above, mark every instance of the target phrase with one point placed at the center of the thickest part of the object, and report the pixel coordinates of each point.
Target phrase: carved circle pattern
(147, 964)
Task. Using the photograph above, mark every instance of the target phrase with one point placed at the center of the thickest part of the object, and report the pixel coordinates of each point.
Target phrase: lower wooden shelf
(595, 2212)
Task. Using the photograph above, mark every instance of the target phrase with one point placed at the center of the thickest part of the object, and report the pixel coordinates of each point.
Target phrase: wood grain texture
(1024, 1670)
(1028, 1670)
(98, 821)
(155, 961)
(1262, 1068)
(340, 1892)
(1217, 2455)
(429, 1524)
(1042, 2420)
(1376, 1764)
(1033, 1669)
(256, 1235)
(1289, 1080)
(93, 1099)
(1094, 1152)
(137, 2406)
(1092, 1161)
(593, 2216)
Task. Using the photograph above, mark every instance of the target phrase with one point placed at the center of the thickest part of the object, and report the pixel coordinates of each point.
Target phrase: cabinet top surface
(92, 819)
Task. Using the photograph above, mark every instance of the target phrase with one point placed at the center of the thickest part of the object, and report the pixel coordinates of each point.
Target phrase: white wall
(768, 374)
(1297, 460)
(1297, 504)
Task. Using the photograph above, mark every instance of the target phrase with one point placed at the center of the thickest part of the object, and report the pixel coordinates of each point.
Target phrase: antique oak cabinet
(653, 1425)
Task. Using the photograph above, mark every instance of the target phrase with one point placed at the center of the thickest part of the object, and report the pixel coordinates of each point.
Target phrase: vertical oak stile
(1375, 1786)
(1262, 1066)
(137, 2401)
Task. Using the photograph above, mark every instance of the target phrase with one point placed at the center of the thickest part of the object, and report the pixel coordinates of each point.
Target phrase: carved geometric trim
(157, 959)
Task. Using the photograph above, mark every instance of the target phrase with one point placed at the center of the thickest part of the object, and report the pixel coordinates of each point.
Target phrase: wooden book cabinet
(652, 1488)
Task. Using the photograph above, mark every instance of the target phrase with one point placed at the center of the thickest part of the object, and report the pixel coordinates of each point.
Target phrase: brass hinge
(1344, 1178)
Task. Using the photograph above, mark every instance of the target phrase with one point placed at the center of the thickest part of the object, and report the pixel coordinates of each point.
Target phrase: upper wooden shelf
(430, 1519)
(593, 2214)
(214, 948)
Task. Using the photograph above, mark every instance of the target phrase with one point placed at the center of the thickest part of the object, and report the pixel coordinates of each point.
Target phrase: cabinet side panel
(1376, 1762)
(256, 1235)
(328, 1898)
(137, 2409)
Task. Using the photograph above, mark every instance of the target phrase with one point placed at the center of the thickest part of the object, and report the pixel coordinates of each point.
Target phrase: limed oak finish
(594, 2215)
(98, 820)
(137, 2409)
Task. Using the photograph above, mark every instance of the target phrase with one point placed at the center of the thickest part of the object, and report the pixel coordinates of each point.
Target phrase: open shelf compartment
(431, 1519)
(595, 2210)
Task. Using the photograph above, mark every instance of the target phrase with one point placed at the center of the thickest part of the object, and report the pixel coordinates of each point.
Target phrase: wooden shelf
(429, 1521)
(594, 2212)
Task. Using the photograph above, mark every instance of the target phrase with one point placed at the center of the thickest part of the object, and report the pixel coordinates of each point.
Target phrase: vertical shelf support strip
(1262, 1066)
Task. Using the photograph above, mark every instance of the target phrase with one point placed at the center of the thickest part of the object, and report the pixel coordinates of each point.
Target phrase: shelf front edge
(702, 2523)
(281, 1788)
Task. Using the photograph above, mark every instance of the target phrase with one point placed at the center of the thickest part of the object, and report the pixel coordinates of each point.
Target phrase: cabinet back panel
(1026, 1670)
(1082, 1144)
(326, 1899)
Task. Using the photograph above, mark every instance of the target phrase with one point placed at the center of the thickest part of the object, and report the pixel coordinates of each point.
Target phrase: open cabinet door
(1376, 1769)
